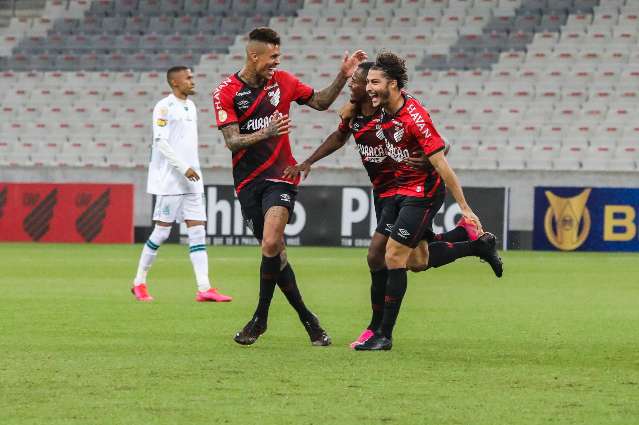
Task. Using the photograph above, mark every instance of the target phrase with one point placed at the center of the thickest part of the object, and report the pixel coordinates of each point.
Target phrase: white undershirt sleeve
(168, 152)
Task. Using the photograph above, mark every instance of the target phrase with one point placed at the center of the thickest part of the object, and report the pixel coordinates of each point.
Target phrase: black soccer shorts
(385, 212)
(414, 218)
(256, 198)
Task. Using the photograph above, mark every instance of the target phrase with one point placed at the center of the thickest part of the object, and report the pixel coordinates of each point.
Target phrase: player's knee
(394, 259)
(417, 264)
(375, 259)
(160, 234)
(272, 246)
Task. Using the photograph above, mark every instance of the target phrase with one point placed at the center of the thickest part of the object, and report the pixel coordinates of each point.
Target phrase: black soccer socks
(378, 290)
(458, 234)
(395, 290)
(442, 253)
(288, 285)
(269, 273)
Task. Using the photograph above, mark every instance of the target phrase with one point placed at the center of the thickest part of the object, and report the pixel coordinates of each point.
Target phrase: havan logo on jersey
(419, 120)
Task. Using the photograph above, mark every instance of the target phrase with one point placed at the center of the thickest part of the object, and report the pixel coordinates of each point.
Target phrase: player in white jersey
(175, 179)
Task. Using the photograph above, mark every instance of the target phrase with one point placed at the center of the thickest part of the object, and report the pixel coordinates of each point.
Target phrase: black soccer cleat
(486, 249)
(375, 343)
(251, 331)
(316, 333)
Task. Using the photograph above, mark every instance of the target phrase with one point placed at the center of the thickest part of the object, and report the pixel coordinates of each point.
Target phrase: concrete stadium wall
(521, 182)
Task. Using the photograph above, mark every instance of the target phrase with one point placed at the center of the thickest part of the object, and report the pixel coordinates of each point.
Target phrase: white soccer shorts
(170, 208)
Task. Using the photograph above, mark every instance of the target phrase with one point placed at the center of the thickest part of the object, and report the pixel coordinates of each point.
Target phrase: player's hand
(350, 63)
(292, 171)
(191, 175)
(469, 214)
(418, 160)
(279, 125)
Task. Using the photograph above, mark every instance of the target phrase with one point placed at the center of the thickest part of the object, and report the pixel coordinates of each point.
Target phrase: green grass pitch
(553, 342)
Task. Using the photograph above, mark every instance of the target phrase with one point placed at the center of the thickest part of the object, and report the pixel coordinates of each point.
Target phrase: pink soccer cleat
(364, 336)
(140, 293)
(470, 227)
(211, 295)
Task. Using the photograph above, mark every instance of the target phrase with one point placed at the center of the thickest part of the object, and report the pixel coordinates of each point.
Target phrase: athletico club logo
(90, 222)
(36, 224)
(3, 200)
(567, 220)
(274, 97)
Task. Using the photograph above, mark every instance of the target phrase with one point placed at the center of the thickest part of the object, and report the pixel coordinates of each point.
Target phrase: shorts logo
(285, 197)
(389, 227)
(249, 223)
(403, 233)
(166, 210)
(222, 115)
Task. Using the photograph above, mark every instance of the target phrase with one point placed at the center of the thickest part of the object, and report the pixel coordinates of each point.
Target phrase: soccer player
(251, 109)
(406, 127)
(361, 119)
(176, 179)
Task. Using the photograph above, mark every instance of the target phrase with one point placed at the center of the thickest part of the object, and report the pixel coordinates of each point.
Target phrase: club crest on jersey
(274, 97)
(380, 133)
(398, 135)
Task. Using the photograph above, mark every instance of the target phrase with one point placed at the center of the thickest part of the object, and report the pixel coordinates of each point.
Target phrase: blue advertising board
(586, 219)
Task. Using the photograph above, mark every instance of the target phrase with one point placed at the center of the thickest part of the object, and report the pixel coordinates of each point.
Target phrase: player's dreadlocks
(393, 67)
(265, 35)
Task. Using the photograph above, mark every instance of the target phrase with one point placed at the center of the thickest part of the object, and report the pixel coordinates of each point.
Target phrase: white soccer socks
(199, 257)
(150, 250)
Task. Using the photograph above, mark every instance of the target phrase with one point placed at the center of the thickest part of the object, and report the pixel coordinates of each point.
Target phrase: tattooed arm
(324, 98)
(236, 141)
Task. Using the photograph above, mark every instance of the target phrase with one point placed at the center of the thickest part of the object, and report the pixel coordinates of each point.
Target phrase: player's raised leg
(160, 234)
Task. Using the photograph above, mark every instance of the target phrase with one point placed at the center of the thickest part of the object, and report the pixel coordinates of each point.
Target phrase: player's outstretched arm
(323, 99)
(235, 141)
(452, 182)
(333, 142)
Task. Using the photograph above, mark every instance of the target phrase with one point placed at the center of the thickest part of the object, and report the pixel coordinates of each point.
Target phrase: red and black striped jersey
(411, 130)
(253, 108)
(372, 150)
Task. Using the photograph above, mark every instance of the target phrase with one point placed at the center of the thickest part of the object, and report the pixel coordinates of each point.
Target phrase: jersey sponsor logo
(395, 152)
(243, 103)
(243, 93)
(274, 97)
(255, 124)
(222, 115)
(374, 154)
(272, 86)
(161, 122)
(419, 120)
(217, 93)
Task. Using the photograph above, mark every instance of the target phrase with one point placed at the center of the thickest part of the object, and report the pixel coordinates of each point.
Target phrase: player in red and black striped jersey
(251, 109)
(406, 128)
(361, 119)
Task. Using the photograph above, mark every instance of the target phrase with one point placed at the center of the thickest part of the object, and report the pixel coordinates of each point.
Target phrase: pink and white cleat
(470, 227)
(211, 295)
(140, 293)
(364, 336)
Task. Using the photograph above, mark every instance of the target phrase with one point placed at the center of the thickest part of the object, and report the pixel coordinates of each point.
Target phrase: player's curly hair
(366, 66)
(393, 66)
(265, 35)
